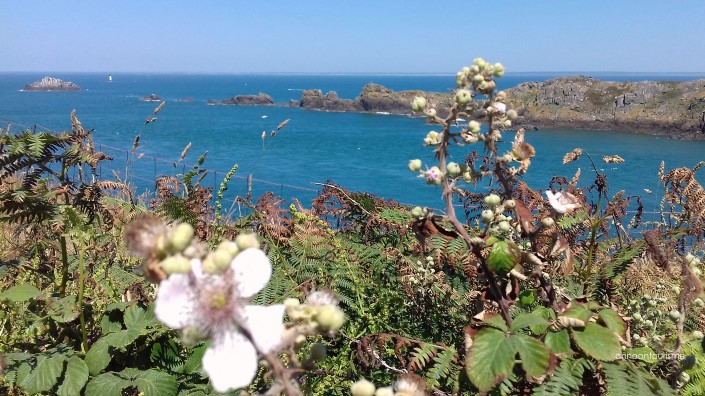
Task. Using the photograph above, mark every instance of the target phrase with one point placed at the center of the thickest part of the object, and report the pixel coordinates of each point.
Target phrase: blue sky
(363, 36)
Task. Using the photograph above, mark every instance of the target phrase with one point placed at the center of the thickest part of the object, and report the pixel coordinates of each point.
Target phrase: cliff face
(676, 109)
(51, 84)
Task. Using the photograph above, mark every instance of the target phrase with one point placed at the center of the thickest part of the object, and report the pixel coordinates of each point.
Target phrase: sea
(359, 152)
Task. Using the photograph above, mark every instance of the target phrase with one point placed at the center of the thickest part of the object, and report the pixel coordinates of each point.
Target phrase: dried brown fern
(684, 190)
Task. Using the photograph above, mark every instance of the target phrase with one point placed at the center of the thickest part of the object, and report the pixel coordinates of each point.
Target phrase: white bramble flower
(562, 202)
(216, 305)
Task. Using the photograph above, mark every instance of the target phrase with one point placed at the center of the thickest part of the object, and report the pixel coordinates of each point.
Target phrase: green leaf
(107, 384)
(578, 311)
(44, 376)
(64, 310)
(558, 341)
(645, 354)
(527, 319)
(138, 318)
(75, 377)
(527, 297)
(503, 257)
(20, 293)
(193, 363)
(535, 355)
(494, 320)
(598, 342)
(612, 321)
(98, 357)
(156, 383)
(110, 323)
(545, 313)
(490, 360)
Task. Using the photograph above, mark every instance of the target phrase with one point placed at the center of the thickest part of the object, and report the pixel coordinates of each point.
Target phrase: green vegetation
(520, 295)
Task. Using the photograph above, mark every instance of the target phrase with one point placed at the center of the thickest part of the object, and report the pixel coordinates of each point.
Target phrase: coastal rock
(151, 98)
(262, 100)
(51, 84)
(373, 98)
(676, 109)
(314, 99)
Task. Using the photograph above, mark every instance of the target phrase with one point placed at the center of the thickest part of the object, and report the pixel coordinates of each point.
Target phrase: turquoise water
(362, 152)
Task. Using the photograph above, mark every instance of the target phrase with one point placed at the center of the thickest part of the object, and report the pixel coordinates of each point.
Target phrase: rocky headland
(676, 109)
(51, 84)
(261, 100)
(151, 98)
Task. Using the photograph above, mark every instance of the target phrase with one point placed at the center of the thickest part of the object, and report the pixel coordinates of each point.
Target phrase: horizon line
(353, 73)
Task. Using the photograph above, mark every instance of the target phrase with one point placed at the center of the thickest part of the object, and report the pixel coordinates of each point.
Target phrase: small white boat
(110, 78)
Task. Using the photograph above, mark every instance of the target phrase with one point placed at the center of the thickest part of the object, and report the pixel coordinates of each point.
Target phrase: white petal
(230, 361)
(554, 200)
(265, 324)
(252, 271)
(174, 305)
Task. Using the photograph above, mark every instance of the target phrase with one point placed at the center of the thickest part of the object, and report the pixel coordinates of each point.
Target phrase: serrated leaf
(75, 377)
(110, 322)
(107, 384)
(578, 311)
(491, 359)
(558, 341)
(527, 297)
(535, 355)
(20, 293)
(503, 257)
(156, 383)
(545, 313)
(97, 358)
(598, 342)
(64, 310)
(493, 319)
(139, 318)
(526, 320)
(120, 306)
(612, 321)
(44, 376)
(123, 338)
(194, 361)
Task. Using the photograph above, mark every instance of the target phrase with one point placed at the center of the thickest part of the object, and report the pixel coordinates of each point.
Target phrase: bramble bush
(552, 291)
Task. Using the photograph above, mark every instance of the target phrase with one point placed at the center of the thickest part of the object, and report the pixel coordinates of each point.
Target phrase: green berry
(453, 169)
(698, 335)
(487, 216)
(176, 264)
(674, 315)
(463, 96)
(181, 237)
(417, 212)
(548, 222)
(492, 200)
(474, 127)
(330, 318)
(246, 241)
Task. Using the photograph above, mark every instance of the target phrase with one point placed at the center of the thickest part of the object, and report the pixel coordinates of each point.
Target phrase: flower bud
(510, 204)
(469, 138)
(418, 104)
(474, 127)
(648, 323)
(478, 79)
(417, 212)
(487, 215)
(684, 378)
(181, 237)
(386, 391)
(487, 86)
(698, 335)
(453, 169)
(362, 387)
(433, 138)
(246, 241)
(431, 113)
(674, 315)
(498, 70)
(463, 96)
(467, 177)
(698, 302)
(500, 96)
(481, 63)
(415, 165)
(330, 318)
(499, 108)
(697, 272)
(492, 200)
(221, 259)
(176, 264)
(637, 317)
(291, 303)
(230, 247)
(512, 114)
(547, 222)
(504, 226)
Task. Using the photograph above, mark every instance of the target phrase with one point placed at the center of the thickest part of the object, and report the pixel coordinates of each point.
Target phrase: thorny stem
(452, 217)
(81, 289)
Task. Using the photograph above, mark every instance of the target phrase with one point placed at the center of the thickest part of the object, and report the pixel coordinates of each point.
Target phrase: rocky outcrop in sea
(262, 100)
(676, 109)
(51, 84)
